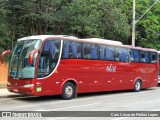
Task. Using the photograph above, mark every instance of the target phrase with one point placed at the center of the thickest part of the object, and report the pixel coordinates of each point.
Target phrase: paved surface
(145, 100)
(4, 93)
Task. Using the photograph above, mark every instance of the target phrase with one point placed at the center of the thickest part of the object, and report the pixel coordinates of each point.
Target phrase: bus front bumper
(21, 90)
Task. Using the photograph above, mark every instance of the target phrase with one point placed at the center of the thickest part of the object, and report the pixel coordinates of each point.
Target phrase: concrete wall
(3, 73)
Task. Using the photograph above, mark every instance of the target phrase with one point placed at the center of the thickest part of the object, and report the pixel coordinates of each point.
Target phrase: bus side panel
(96, 75)
(77, 70)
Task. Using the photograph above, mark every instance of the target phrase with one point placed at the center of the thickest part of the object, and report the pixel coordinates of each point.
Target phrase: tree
(94, 18)
(109, 19)
(147, 28)
(4, 28)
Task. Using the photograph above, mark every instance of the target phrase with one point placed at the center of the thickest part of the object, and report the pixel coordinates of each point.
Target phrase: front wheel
(137, 86)
(68, 91)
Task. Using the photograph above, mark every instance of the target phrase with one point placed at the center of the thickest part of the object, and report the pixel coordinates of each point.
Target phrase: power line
(135, 21)
(146, 11)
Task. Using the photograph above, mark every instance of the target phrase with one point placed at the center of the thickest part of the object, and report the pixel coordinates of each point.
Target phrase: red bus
(63, 65)
(159, 67)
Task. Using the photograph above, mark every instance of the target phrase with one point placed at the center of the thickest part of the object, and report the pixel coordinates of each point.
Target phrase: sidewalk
(3, 85)
(5, 92)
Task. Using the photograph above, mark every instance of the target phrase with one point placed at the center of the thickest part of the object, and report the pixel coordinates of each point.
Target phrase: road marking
(58, 118)
(120, 118)
(156, 110)
(69, 107)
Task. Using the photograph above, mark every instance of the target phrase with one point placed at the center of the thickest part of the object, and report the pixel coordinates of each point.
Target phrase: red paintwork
(91, 76)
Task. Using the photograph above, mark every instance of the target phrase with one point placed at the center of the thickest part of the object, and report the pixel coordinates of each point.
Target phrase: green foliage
(148, 28)
(109, 19)
(97, 18)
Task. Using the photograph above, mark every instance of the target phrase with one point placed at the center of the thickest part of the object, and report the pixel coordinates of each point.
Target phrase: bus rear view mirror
(4, 53)
(32, 53)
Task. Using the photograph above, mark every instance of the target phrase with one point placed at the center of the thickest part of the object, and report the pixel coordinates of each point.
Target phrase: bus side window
(147, 57)
(102, 52)
(57, 49)
(75, 50)
(49, 57)
(142, 56)
(94, 51)
(110, 53)
(153, 57)
(117, 54)
(131, 58)
(86, 50)
(66, 49)
(121, 54)
(136, 55)
(51, 47)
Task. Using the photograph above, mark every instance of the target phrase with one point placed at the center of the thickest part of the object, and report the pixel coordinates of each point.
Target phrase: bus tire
(68, 91)
(137, 86)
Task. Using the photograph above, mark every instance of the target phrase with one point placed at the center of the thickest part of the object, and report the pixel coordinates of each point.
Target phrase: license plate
(15, 90)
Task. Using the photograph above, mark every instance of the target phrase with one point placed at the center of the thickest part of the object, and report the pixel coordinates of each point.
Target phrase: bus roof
(90, 40)
(93, 40)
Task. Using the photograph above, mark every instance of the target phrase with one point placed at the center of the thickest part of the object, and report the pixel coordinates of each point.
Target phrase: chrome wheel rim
(69, 91)
(138, 86)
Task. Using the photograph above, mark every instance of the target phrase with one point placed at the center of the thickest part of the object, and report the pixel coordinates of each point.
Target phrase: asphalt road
(145, 100)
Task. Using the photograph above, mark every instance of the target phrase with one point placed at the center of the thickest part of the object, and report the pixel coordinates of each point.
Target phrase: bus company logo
(111, 68)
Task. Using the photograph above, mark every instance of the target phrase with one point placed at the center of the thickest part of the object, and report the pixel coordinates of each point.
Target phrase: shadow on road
(38, 99)
(82, 95)
(112, 92)
(12, 96)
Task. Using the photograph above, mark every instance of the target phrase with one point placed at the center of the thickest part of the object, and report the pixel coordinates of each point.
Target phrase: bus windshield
(19, 65)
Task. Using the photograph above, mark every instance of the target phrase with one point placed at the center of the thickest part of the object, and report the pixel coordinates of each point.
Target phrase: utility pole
(133, 23)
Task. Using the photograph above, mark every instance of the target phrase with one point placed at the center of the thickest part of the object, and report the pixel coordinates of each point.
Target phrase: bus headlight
(28, 85)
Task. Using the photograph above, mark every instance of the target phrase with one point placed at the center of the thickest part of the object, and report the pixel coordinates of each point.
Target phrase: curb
(3, 85)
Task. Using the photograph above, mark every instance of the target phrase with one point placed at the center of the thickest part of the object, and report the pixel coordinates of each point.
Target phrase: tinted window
(94, 51)
(153, 57)
(131, 57)
(146, 57)
(134, 55)
(71, 49)
(86, 50)
(102, 50)
(109, 53)
(75, 50)
(52, 47)
(49, 57)
(66, 46)
(121, 54)
(142, 56)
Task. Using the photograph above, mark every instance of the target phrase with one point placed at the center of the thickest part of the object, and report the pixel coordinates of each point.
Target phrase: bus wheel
(137, 86)
(68, 91)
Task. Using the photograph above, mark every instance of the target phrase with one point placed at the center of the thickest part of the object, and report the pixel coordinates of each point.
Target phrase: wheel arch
(138, 78)
(73, 81)
(137, 85)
